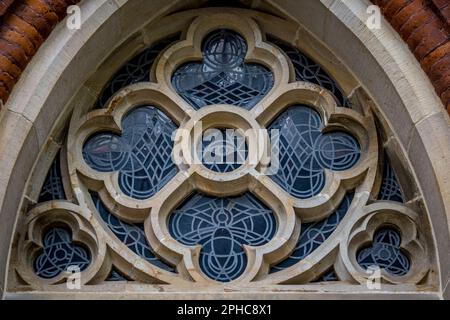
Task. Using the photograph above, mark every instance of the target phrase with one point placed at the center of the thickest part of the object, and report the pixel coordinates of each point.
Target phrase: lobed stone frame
(61, 213)
(247, 178)
(366, 222)
(155, 211)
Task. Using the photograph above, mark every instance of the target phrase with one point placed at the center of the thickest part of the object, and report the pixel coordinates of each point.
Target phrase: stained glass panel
(222, 226)
(390, 188)
(304, 151)
(308, 70)
(53, 186)
(132, 235)
(385, 253)
(142, 154)
(223, 150)
(329, 275)
(312, 235)
(116, 275)
(59, 254)
(223, 77)
(135, 70)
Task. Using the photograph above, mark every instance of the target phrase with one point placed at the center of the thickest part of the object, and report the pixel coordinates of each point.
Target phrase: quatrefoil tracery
(122, 155)
(351, 135)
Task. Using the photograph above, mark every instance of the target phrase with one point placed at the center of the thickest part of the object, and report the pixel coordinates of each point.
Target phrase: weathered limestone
(400, 92)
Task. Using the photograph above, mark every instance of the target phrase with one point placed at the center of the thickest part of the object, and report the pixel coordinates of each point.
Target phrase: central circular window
(222, 149)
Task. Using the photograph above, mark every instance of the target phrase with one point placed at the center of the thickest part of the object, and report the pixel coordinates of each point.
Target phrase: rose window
(227, 158)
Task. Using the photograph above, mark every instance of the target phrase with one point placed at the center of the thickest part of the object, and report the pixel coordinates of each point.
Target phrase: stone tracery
(355, 153)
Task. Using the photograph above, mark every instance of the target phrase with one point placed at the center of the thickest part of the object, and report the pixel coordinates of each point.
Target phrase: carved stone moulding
(150, 213)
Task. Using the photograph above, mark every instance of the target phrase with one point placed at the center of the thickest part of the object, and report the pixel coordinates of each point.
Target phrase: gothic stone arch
(61, 80)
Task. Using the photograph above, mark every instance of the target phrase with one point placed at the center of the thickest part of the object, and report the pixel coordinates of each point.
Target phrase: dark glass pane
(116, 275)
(223, 77)
(385, 253)
(308, 70)
(312, 235)
(223, 150)
(304, 152)
(53, 187)
(222, 226)
(59, 254)
(135, 70)
(330, 275)
(390, 188)
(132, 235)
(142, 155)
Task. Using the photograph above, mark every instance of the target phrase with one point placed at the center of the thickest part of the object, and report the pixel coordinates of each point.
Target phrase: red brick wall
(425, 27)
(423, 24)
(24, 26)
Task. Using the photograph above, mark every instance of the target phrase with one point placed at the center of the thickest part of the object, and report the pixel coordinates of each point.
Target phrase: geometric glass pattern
(223, 150)
(222, 226)
(329, 275)
(53, 187)
(134, 71)
(390, 188)
(385, 253)
(313, 234)
(223, 77)
(308, 70)
(305, 152)
(132, 235)
(59, 253)
(115, 275)
(142, 154)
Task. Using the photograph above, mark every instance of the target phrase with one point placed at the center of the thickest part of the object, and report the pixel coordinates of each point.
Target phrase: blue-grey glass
(135, 70)
(115, 275)
(329, 275)
(385, 253)
(142, 154)
(312, 235)
(390, 188)
(222, 226)
(132, 235)
(53, 187)
(308, 70)
(305, 152)
(223, 150)
(223, 77)
(59, 253)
